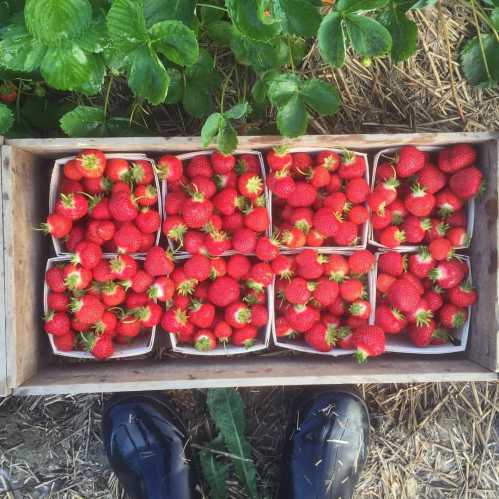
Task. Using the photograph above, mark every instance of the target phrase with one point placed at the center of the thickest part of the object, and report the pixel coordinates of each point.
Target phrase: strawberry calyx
(259, 201)
(187, 287)
(89, 162)
(458, 319)
(423, 317)
(343, 332)
(418, 190)
(361, 356)
(254, 184)
(425, 224)
(398, 314)
(68, 200)
(357, 309)
(248, 343)
(330, 336)
(441, 333)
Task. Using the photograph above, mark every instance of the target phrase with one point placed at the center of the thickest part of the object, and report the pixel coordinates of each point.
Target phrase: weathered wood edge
(186, 144)
(4, 390)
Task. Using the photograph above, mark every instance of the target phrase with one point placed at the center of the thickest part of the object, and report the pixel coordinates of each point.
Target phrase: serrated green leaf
(169, 10)
(220, 32)
(19, 51)
(175, 41)
(478, 70)
(348, 6)
(203, 72)
(403, 31)
(331, 40)
(369, 38)
(282, 88)
(83, 121)
(244, 16)
(292, 118)
(176, 86)
(297, 17)
(95, 39)
(215, 473)
(69, 67)
(210, 128)
(238, 111)
(93, 85)
(126, 24)
(321, 96)
(259, 91)
(6, 118)
(197, 100)
(56, 21)
(227, 411)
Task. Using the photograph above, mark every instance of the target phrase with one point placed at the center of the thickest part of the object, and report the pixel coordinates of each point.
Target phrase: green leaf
(44, 114)
(282, 88)
(348, 6)
(176, 87)
(494, 17)
(6, 118)
(126, 24)
(321, 96)
(175, 41)
(369, 38)
(259, 91)
(238, 111)
(331, 40)
(210, 128)
(68, 67)
(169, 10)
(220, 32)
(83, 121)
(197, 100)
(227, 411)
(421, 4)
(147, 77)
(244, 16)
(403, 31)
(93, 85)
(292, 118)
(478, 70)
(19, 51)
(215, 473)
(203, 72)
(95, 39)
(297, 17)
(210, 15)
(56, 21)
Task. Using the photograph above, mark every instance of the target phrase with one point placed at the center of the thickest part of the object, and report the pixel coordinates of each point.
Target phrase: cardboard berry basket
(27, 365)
(55, 179)
(139, 346)
(365, 228)
(401, 344)
(299, 344)
(470, 205)
(185, 157)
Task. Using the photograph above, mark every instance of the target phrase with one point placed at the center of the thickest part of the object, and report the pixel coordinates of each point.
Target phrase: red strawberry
(344, 338)
(102, 271)
(458, 236)
(361, 262)
(238, 267)
(392, 237)
(329, 159)
(123, 267)
(337, 202)
(101, 347)
(404, 296)
(73, 206)
(431, 178)
(434, 300)
(232, 222)
(358, 215)
(260, 276)
(414, 281)
(456, 157)
(352, 166)
(129, 326)
(381, 221)
(257, 219)
(377, 201)
(197, 210)
(146, 195)
(301, 161)
(121, 187)
(390, 320)
(357, 190)
(347, 234)
(197, 267)
(281, 183)
(335, 183)
(278, 159)
(223, 291)
(227, 200)
(91, 163)
(326, 292)
(320, 337)
(392, 263)
(326, 222)
(315, 238)
(463, 295)
(204, 340)
(200, 166)
(385, 170)
(419, 202)
(303, 195)
(283, 329)
(267, 248)
(222, 163)
(447, 203)
(248, 163)
(107, 324)
(201, 314)
(69, 186)
(203, 185)
(259, 315)
(87, 309)
(117, 169)
(336, 268)
(383, 282)
(244, 337)
(175, 320)
(421, 263)
(222, 331)
(122, 207)
(87, 254)
(250, 185)
(170, 168)
(128, 238)
(76, 235)
(293, 238)
(351, 290)
(149, 315)
(158, 262)
(141, 281)
(65, 342)
(302, 317)
(237, 315)
(297, 291)
(58, 302)
(451, 316)
(57, 225)
(76, 278)
(71, 171)
(466, 183)
(302, 219)
(96, 185)
(415, 229)
(410, 161)
(244, 241)
(318, 176)
(57, 323)
(162, 289)
(398, 212)
(282, 266)
(448, 274)
(422, 315)
(148, 220)
(441, 249)
(421, 335)
(360, 309)
(113, 294)
(142, 172)
(387, 189)
(369, 342)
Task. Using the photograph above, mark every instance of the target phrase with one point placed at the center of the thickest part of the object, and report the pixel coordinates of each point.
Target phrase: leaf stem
(216, 7)
(108, 93)
(224, 88)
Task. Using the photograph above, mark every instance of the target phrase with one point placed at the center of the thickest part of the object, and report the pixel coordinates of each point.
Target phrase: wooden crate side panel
(3, 342)
(253, 371)
(484, 337)
(25, 250)
(53, 147)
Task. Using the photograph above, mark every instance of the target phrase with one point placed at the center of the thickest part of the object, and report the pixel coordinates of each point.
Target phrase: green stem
(482, 49)
(224, 88)
(290, 55)
(216, 7)
(478, 11)
(108, 93)
(18, 100)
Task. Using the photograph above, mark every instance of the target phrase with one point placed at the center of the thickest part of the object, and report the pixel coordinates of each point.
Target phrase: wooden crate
(30, 369)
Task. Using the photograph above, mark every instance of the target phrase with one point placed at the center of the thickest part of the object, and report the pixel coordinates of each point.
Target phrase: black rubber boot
(146, 444)
(327, 447)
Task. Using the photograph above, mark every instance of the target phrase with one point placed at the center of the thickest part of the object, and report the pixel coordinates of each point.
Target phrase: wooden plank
(58, 146)
(3, 342)
(484, 339)
(250, 371)
(25, 199)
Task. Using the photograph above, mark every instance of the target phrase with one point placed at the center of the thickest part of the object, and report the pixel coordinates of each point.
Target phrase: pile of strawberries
(324, 300)
(421, 296)
(97, 302)
(218, 301)
(318, 199)
(420, 198)
(108, 203)
(215, 203)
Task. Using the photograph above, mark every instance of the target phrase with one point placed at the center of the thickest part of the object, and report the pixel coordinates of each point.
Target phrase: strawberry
(466, 184)
(352, 166)
(142, 172)
(122, 207)
(361, 262)
(398, 212)
(57, 225)
(456, 157)
(244, 337)
(65, 342)
(194, 242)
(383, 282)
(248, 163)
(303, 195)
(419, 202)
(223, 291)
(201, 314)
(422, 315)
(282, 266)
(462, 295)
(369, 342)
(390, 320)
(326, 222)
(410, 161)
(421, 263)
(278, 159)
(123, 267)
(238, 267)
(431, 178)
(451, 316)
(347, 234)
(174, 229)
(204, 340)
(129, 326)
(387, 190)
(91, 163)
(281, 183)
(250, 185)
(344, 338)
(358, 215)
(415, 229)
(175, 320)
(336, 268)
(197, 267)
(297, 291)
(197, 210)
(320, 337)
(458, 237)
(128, 238)
(326, 292)
(199, 166)
(222, 331)
(174, 202)
(148, 220)
(267, 248)
(227, 180)
(76, 235)
(315, 238)
(146, 195)
(301, 218)
(381, 221)
(337, 202)
(414, 281)
(232, 222)
(73, 206)
(283, 329)
(301, 161)
(421, 335)
(302, 317)
(351, 290)
(71, 171)
(87, 254)
(117, 169)
(293, 238)
(434, 300)
(404, 296)
(70, 186)
(58, 302)
(98, 208)
(76, 277)
(335, 183)
(310, 263)
(447, 274)
(88, 309)
(170, 168)
(222, 163)
(120, 187)
(101, 347)
(96, 185)
(107, 324)
(329, 160)
(259, 315)
(392, 236)
(257, 219)
(227, 200)
(244, 241)
(377, 201)
(392, 263)
(260, 276)
(202, 185)
(102, 271)
(360, 309)
(113, 294)
(447, 203)
(57, 323)
(237, 315)
(158, 262)
(162, 289)
(441, 249)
